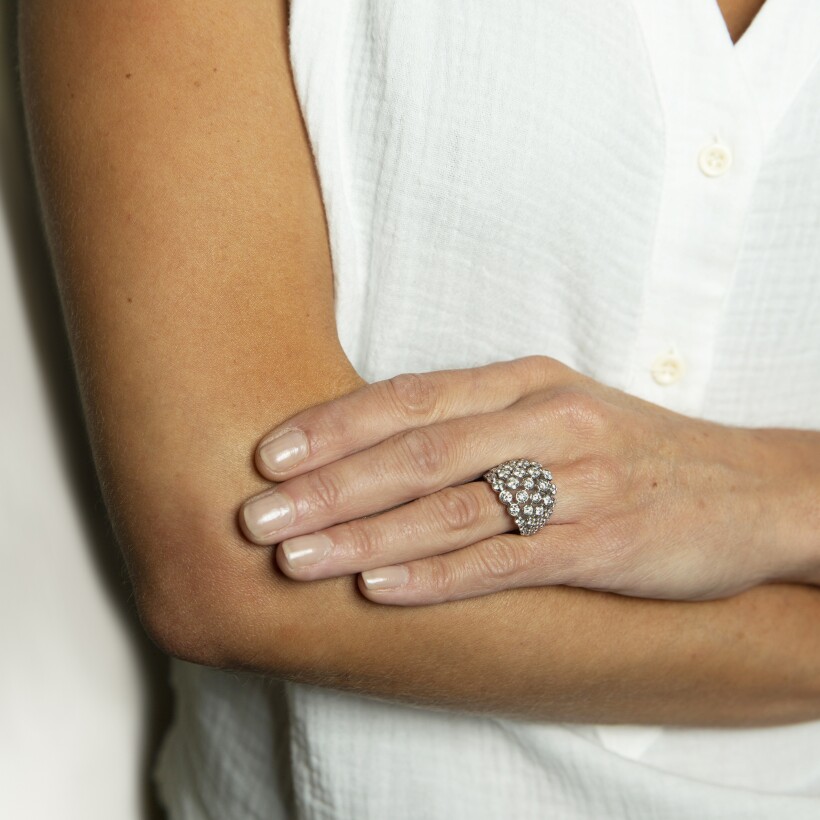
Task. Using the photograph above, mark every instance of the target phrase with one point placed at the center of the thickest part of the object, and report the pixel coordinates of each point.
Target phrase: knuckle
(458, 509)
(579, 412)
(541, 363)
(535, 371)
(412, 394)
(600, 475)
(429, 454)
(440, 578)
(542, 371)
(499, 559)
(325, 491)
(331, 422)
(360, 542)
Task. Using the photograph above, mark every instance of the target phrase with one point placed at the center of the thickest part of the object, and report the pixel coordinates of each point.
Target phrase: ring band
(525, 488)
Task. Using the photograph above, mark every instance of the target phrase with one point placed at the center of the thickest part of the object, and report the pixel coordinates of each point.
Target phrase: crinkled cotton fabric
(612, 184)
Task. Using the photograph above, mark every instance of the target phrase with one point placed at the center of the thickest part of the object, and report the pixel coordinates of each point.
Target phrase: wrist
(786, 507)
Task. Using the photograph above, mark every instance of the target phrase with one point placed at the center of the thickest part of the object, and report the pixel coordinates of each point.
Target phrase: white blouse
(612, 184)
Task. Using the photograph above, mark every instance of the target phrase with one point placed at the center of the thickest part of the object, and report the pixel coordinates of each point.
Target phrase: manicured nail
(386, 577)
(306, 549)
(267, 514)
(284, 451)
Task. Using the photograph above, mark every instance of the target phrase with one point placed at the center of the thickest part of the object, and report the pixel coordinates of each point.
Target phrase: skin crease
(195, 275)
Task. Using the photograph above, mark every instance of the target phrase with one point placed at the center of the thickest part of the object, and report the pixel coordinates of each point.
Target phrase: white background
(83, 693)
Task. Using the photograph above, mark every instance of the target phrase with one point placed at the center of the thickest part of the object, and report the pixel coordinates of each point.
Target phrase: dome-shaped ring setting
(526, 489)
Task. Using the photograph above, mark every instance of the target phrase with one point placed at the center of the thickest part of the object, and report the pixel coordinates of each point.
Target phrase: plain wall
(83, 693)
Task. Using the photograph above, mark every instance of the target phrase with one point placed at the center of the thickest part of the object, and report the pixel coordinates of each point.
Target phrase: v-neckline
(743, 33)
(768, 64)
(776, 53)
(760, 20)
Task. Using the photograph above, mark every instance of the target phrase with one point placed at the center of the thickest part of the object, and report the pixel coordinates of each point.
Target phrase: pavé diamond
(526, 490)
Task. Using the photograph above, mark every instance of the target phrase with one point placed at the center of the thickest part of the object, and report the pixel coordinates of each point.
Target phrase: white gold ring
(525, 488)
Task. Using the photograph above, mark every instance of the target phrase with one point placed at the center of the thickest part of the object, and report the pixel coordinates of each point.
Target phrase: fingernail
(267, 514)
(386, 577)
(284, 451)
(306, 549)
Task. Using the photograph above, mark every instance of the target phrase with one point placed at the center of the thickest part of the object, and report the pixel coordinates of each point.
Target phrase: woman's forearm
(554, 653)
(189, 242)
(566, 654)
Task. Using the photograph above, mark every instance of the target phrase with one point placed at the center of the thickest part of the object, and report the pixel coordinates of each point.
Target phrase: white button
(715, 159)
(667, 368)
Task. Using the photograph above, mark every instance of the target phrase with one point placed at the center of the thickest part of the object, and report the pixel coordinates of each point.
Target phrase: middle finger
(404, 467)
(447, 520)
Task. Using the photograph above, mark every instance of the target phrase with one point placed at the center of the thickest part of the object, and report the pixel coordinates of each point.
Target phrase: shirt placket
(713, 153)
(713, 140)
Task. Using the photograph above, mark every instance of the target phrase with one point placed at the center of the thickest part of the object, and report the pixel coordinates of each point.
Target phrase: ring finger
(440, 522)
(404, 467)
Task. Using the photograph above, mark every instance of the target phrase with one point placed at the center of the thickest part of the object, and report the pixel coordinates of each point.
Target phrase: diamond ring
(525, 488)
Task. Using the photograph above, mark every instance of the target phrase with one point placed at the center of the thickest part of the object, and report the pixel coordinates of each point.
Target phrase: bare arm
(190, 246)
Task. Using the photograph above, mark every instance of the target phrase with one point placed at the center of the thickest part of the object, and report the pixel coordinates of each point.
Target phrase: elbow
(196, 589)
(176, 611)
(176, 633)
(223, 603)
(204, 593)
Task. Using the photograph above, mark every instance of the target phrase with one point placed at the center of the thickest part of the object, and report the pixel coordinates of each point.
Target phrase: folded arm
(189, 241)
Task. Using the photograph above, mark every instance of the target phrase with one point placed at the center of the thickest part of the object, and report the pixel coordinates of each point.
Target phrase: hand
(649, 502)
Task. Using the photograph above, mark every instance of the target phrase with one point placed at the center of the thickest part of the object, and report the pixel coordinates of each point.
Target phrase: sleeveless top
(615, 185)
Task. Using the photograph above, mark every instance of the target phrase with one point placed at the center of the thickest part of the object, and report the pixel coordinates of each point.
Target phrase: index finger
(357, 420)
